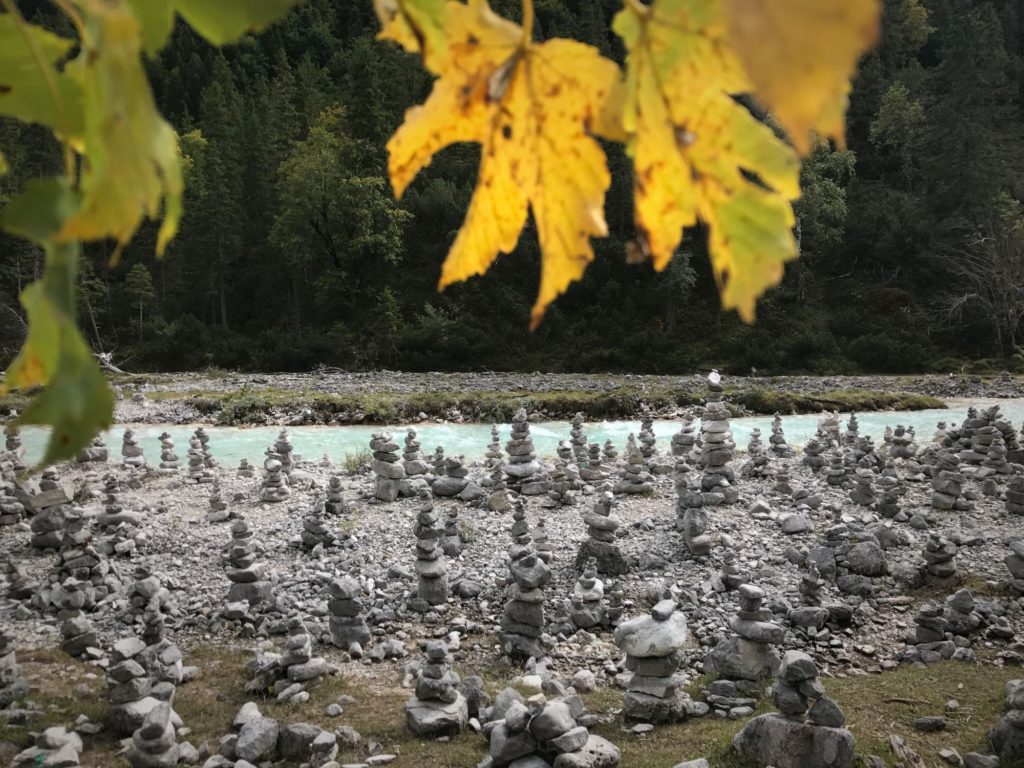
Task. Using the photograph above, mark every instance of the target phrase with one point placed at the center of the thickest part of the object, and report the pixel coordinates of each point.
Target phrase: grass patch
(353, 460)
(769, 401)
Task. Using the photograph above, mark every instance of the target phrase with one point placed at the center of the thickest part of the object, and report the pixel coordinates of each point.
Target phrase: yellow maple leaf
(532, 107)
(416, 25)
(701, 157)
(800, 56)
(132, 165)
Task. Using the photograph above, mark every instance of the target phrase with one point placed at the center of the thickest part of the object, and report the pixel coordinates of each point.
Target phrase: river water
(231, 444)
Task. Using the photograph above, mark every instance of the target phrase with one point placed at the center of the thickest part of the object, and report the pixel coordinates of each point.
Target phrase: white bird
(714, 379)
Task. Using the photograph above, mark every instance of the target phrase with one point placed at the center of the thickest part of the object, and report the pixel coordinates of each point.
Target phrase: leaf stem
(51, 85)
(75, 16)
(527, 21)
(637, 6)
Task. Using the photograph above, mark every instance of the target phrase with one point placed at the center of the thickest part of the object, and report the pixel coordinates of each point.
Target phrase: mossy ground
(876, 707)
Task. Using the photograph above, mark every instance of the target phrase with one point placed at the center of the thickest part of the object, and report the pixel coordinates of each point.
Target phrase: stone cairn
(19, 584)
(828, 425)
(494, 457)
(386, 466)
(455, 478)
(76, 630)
(940, 560)
(1015, 496)
(451, 542)
(811, 585)
(653, 646)
(119, 524)
(412, 457)
(587, 611)
(315, 533)
(691, 518)
(94, 577)
(50, 505)
(901, 443)
(287, 674)
(928, 643)
(1015, 563)
(12, 686)
(14, 449)
(635, 478)
(778, 447)
(431, 569)
(198, 472)
(609, 453)
(541, 543)
(806, 732)
(684, 440)
(168, 458)
(525, 473)
(437, 708)
(12, 511)
(578, 440)
(756, 464)
(852, 432)
(245, 469)
(749, 657)
(863, 491)
(498, 498)
(53, 747)
(437, 461)
(131, 451)
(593, 471)
(275, 482)
(147, 594)
(600, 544)
(204, 443)
(154, 743)
(716, 453)
(285, 452)
(249, 579)
(335, 504)
(544, 732)
(522, 623)
(217, 511)
(948, 483)
(346, 624)
(814, 450)
(1007, 738)
(97, 451)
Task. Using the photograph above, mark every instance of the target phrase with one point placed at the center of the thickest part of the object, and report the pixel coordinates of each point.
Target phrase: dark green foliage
(293, 252)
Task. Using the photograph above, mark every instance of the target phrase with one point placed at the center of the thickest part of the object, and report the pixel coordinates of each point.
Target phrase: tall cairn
(948, 483)
(691, 518)
(601, 542)
(275, 482)
(335, 504)
(204, 443)
(716, 453)
(778, 447)
(412, 458)
(386, 466)
(249, 578)
(684, 440)
(284, 451)
(12, 511)
(169, 460)
(14, 449)
(652, 645)
(494, 457)
(523, 469)
(12, 686)
(437, 709)
(578, 440)
(522, 624)
(431, 568)
(593, 472)
(198, 472)
(635, 478)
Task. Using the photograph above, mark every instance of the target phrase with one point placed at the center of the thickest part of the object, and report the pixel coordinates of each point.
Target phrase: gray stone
(257, 739)
(777, 741)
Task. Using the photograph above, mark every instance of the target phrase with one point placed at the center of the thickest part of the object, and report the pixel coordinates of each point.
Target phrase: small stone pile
(835, 474)
(494, 457)
(635, 478)
(204, 443)
(386, 466)
(813, 452)
(431, 569)
(147, 594)
(600, 544)
(19, 584)
(498, 498)
(455, 478)
(97, 451)
(749, 656)
(684, 440)
(249, 579)
(716, 453)
(1015, 562)
(168, 458)
(806, 732)
(889, 492)
(852, 431)
(609, 453)
(284, 451)
(691, 518)
(53, 747)
(12, 686)
(287, 674)
(15, 453)
(412, 457)
(76, 630)
(437, 708)
(315, 532)
(811, 585)
(1015, 496)
(653, 646)
(12, 511)
(778, 447)
(346, 624)
(245, 469)
(522, 623)
(901, 443)
(541, 543)
(940, 560)
(335, 504)
(121, 528)
(593, 471)
(756, 464)
(154, 743)
(523, 470)
(578, 440)
(587, 610)
(94, 577)
(131, 451)
(863, 491)
(828, 425)
(451, 542)
(217, 510)
(1007, 738)
(275, 482)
